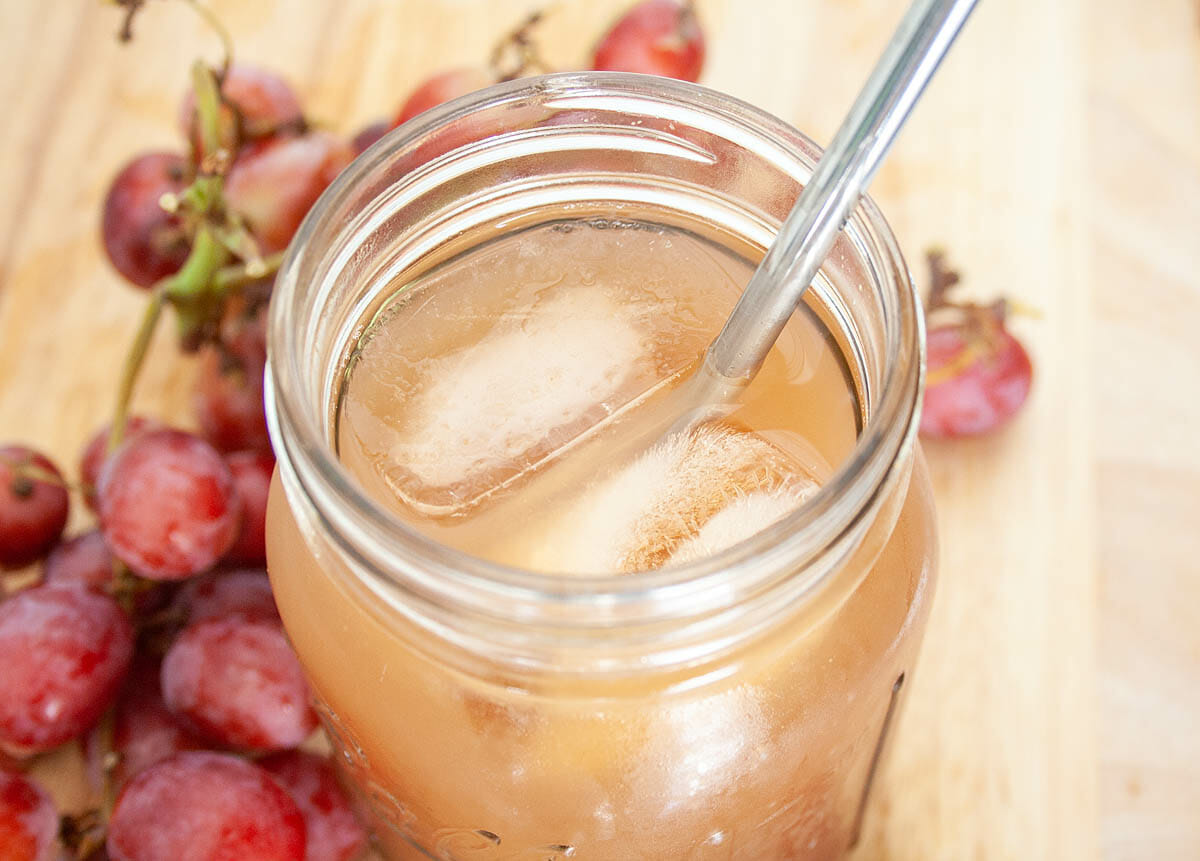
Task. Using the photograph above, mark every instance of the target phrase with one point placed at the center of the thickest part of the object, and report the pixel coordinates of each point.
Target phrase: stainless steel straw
(841, 176)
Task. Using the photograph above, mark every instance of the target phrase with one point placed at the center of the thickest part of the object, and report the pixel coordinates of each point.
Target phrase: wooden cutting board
(1056, 158)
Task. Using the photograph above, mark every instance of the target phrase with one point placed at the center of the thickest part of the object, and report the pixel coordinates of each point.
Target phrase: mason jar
(730, 708)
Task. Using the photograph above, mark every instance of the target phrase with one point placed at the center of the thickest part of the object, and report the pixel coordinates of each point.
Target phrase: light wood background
(1057, 158)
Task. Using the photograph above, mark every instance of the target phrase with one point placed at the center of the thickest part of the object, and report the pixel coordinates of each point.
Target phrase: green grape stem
(187, 287)
(208, 106)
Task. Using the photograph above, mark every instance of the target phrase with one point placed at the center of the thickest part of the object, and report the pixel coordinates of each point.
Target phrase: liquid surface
(481, 402)
(462, 387)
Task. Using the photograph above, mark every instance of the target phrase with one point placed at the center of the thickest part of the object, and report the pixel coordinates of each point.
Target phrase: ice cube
(488, 411)
(689, 495)
(475, 376)
(739, 520)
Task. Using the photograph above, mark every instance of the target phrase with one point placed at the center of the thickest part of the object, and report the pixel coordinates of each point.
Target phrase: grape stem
(214, 22)
(109, 759)
(191, 282)
(202, 280)
(208, 112)
(517, 53)
(84, 833)
(230, 278)
(206, 257)
(134, 360)
(133, 7)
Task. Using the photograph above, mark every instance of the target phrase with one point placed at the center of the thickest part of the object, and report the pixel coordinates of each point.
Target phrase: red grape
(655, 37)
(334, 833)
(228, 401)
(237, 681)
(33, 511)
(83, 559)
(245, 592)
(442, 88)
(264, 101)
(433, 92)
(144, 730)
(86, 559)
(976, 382)
(367, 135)
(274, 182)
(28, 821)
(168, 505)
(66, 650)
(246, 336)
(252, 476)
(203, 806)
(145, 242)
(95, 454)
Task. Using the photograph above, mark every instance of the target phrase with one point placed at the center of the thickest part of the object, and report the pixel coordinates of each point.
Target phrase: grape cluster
(153, 637)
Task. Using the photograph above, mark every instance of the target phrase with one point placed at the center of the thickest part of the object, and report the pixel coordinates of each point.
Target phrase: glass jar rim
(297, 424)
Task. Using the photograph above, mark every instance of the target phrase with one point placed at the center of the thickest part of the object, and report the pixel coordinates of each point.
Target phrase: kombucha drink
(477, 403)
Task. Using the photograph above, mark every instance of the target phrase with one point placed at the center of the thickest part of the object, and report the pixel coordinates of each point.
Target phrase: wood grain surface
(1056, 158)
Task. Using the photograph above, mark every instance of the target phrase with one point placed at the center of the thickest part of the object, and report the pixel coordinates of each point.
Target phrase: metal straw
(909, 61)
